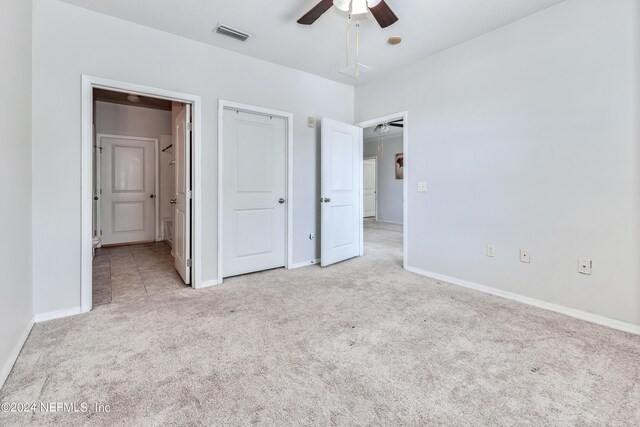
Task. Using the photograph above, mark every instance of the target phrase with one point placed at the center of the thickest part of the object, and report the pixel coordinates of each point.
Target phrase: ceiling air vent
(231, 32)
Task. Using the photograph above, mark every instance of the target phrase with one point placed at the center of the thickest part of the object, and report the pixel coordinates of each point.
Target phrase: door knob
(173, 201)
(327, 200)
(151, 196)
(281, 200)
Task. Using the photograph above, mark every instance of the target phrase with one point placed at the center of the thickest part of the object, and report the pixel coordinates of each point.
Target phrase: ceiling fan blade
(383, 14)
(396, 121)
(396, 125)
(316, 12)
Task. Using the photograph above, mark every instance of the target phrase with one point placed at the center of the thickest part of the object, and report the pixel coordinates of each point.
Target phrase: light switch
(491, 250)
(422, 187)
(311, 122)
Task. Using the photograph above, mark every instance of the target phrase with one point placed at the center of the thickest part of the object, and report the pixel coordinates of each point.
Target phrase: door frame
(86, 193)
(156, 143)
(288, 117)
(376, 179)
(404, 115)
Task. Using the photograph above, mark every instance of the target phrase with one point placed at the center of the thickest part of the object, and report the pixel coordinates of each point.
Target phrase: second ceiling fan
(378, 8)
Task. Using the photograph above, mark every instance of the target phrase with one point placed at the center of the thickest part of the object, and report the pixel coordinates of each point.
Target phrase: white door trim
(222, 104)
(157, 177)
(376, 178)
(88, 84)
(404, 115)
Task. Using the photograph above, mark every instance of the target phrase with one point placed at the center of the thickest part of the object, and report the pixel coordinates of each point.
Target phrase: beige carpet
(359, 343)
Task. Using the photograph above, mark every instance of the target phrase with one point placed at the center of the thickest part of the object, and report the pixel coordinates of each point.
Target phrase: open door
(341, 183)
(182, 200)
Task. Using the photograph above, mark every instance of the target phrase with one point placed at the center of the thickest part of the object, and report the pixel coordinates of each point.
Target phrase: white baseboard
(208, 284)
(578, 314)
(305, 263)
(15, 352)
(57, 314)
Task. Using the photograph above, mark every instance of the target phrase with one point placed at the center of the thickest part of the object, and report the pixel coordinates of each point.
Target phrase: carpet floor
(358, 343)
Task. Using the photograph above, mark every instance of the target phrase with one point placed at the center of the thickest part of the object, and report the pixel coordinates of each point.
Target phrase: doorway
(385, 184)
(255, 162)
(140, 168)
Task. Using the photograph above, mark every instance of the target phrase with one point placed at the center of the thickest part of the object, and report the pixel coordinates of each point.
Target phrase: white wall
(130, 120)
(16, 298)
(528, 138)
(389, 189)
(70, 41)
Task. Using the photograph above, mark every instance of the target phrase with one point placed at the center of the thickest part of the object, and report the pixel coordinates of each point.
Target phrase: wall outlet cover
(584, 266)
(422, 187)
(311, 122)
(525, 256)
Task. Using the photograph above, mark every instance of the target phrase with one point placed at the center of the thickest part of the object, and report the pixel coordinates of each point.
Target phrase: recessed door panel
(254, 232)
(128, 169)
(128, 216)
(254, 192)
(254, 172)
(342, 157)
(342, 234)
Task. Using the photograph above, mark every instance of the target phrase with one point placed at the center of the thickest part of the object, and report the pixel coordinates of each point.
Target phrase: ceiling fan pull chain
(357, 46)
(348, 36)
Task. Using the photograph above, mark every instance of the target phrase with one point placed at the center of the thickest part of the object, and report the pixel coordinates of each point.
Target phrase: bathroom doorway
(143, 205)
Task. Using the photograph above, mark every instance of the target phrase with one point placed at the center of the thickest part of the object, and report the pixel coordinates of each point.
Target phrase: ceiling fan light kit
(378, 8)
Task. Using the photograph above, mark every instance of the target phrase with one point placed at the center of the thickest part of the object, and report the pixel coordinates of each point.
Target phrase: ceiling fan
(378, 8)
(383, 128)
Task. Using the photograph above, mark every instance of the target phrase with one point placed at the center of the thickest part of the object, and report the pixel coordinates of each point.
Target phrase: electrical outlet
(311, 122)
(422, 187)
(525, 256)
(312, 236)
(584, 266)
(491, 250)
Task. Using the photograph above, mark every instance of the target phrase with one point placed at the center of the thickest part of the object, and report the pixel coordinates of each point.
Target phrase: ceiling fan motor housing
(356, 7)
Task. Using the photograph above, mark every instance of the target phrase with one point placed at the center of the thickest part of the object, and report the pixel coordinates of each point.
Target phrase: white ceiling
(427, 27)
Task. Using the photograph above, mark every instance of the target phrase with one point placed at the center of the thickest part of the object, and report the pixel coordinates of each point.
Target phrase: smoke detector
(233, 33)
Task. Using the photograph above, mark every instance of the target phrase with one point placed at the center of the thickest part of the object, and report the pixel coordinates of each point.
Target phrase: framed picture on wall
(400, 166)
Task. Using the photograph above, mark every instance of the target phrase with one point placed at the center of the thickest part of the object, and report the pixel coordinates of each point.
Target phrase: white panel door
(341, 182)
(128, 185)
(254, 192)
(182, 200)
(369, 187)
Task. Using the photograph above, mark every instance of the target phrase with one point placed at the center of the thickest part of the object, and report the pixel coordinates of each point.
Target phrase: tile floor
(123, 272)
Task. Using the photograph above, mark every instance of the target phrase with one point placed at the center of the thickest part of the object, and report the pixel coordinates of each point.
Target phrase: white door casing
(182, 201)
(254, 192)
(369, 196)
(341, 197)
(128, 189)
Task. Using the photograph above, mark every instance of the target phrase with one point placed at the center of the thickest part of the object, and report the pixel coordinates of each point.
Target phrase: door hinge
(188, 195)
(189, 127)
(101, 232)
(189, 262)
